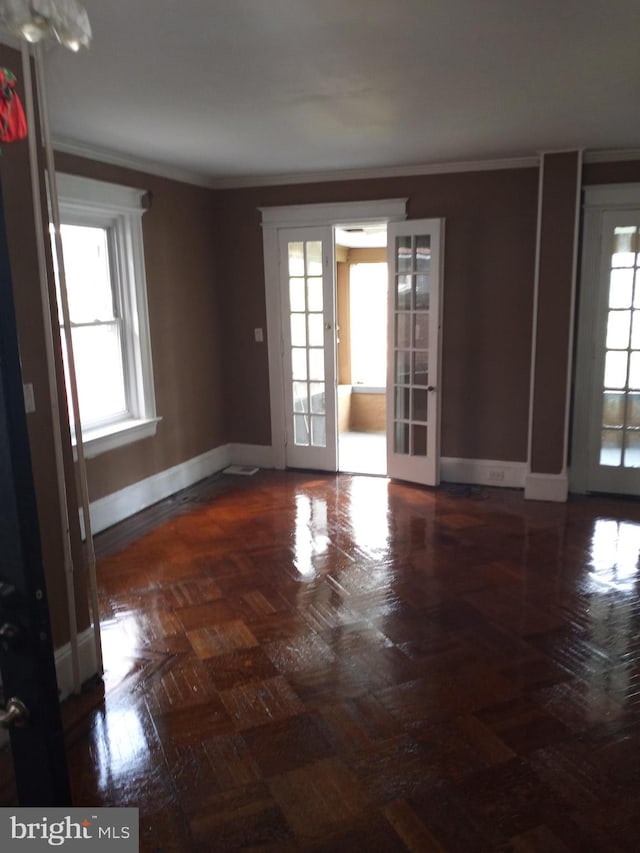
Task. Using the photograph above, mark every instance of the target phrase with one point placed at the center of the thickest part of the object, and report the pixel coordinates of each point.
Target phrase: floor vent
(241, 470)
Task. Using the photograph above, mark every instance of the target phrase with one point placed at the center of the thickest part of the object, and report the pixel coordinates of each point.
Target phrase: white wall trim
(338, 213)
(572, 318)
(222, 182)
(483, 472)
(192, 176)
(546, 487)
(376, 172)
(534, 319)
(612, 196)
(129, 161)
(126, 502)
(260, 455)
(87, 658)
(612, 155)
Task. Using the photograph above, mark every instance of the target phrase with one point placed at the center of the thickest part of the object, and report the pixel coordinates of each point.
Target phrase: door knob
(431, 387)
(15, 714)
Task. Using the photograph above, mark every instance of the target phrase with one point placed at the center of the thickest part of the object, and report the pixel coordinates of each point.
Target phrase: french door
(309, 357)
(413, 371)
(613, 463)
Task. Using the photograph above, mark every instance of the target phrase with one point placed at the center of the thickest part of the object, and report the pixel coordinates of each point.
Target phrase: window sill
(97, 441)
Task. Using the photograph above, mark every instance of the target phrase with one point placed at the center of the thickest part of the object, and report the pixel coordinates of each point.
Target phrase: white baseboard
(483, 472)
(86, 659)
(120, 505)
(260, 455)
(546, 487)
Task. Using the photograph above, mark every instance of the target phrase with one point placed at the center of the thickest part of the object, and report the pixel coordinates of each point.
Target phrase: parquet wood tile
(305, 662)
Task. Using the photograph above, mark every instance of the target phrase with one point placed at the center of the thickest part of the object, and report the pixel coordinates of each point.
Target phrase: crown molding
(164, 170)
(616, 155)
(376, 172)
(127, 161)
(176, 173)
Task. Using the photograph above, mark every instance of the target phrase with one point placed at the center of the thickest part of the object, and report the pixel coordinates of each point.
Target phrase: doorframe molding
(273, 219)
(598, 200)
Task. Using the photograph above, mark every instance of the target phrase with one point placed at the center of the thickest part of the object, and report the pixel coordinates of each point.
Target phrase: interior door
(309, 349)
(26, 649)
(414, 320)
(614, 417)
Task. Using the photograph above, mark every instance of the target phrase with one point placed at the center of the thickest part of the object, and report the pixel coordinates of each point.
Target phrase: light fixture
(66, 21)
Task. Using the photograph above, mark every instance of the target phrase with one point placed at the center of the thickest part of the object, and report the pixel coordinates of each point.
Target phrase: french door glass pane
(611, 447)
(306, 319)
(299, 363)
(402, 403)
(632, 449)
(316, 391)
(613, 409)
(316, 330)
(319, 431)
(296, 259)
(314, 294)
(411, 327)
(296, 294)
(633, 410)
(620, 288)
(301, 429)
(618, 329)
(298, 330)
(620, 435)
(300, 397)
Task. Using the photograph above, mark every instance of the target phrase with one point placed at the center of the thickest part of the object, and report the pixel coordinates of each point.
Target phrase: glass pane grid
(620, 426)
(411, 354)
(306, 311)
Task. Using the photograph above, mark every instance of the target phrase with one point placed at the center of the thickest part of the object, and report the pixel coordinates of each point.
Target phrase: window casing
(106, 285)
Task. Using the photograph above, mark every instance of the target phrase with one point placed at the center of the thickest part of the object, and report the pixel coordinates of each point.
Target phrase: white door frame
(598, 201)
(296, 216)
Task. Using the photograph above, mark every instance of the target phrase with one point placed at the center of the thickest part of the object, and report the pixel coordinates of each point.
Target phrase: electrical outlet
(496, 475)
(258, 335)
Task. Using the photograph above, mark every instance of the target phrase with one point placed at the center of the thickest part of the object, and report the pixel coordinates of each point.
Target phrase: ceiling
(261, 89)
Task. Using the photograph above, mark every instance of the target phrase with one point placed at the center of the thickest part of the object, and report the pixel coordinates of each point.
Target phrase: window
(101, 229)
(368, 309)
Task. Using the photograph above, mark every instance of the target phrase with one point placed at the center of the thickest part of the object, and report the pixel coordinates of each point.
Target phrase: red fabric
(13, 124)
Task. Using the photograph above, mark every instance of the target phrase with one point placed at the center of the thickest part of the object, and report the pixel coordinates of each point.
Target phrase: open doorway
(361, 306)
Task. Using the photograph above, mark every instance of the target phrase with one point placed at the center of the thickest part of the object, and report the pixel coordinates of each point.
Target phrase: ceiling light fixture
(35, 21)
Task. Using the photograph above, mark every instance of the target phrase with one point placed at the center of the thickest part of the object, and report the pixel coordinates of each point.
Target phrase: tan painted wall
(368, 412)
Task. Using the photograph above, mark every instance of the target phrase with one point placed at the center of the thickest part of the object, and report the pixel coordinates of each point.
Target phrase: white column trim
(534, 320)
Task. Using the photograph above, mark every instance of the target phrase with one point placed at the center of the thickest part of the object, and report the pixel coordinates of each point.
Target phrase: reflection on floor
(310, 662)
(362, 452)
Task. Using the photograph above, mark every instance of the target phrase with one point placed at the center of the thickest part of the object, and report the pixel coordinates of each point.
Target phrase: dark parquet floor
(305, 662)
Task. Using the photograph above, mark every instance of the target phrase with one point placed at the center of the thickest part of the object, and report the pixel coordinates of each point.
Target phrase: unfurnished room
(320, 425)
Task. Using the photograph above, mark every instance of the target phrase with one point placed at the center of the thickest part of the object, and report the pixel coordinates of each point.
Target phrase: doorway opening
(361, 309)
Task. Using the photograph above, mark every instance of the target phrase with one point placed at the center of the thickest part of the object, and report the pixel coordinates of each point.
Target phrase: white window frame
(84, 201)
